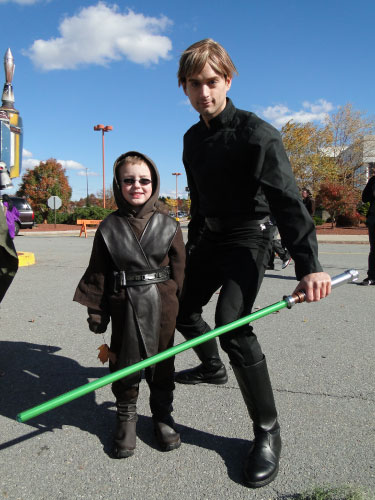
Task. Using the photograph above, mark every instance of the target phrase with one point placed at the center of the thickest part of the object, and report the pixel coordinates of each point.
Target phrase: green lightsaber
(287, 302)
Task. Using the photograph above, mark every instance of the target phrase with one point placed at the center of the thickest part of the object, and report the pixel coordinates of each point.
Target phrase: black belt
(219, 225)
(123, 279)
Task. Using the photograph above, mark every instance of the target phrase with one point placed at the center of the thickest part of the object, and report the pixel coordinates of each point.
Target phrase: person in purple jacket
(12, 215)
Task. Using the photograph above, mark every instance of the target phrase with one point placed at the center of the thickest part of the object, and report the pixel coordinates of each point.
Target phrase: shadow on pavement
(35, 373)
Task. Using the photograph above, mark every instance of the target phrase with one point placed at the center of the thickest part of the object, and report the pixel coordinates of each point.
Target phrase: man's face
(207, 92)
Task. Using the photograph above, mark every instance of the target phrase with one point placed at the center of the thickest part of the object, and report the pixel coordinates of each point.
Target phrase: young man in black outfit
(238, 174)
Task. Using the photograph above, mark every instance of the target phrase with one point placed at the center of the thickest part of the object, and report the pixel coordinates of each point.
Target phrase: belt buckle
(147, 277)
(122, 279)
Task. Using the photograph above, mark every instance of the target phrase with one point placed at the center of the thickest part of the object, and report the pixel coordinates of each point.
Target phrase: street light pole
(176, 174)
(103, 128)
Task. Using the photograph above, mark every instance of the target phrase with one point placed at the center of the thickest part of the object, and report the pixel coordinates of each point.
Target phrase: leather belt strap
(123, 279)
(218, 225)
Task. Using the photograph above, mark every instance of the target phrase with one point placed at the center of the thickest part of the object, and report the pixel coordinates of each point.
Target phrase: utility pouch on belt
(123, 279)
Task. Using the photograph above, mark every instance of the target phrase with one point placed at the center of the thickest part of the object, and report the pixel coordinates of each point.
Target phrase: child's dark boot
(164, 427)
(125, 435)
(166, 435)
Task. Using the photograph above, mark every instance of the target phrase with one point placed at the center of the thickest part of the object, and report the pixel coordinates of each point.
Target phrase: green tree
(45, 180)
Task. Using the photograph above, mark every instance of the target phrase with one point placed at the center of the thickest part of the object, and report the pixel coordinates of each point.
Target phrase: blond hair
(195, 57)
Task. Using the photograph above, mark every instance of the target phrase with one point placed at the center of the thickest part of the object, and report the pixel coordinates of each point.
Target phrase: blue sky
(80, 63)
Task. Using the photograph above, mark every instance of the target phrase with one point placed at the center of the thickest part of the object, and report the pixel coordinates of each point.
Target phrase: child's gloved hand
(97, 321)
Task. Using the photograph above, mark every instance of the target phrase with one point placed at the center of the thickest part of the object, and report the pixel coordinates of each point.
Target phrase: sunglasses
(129, 181)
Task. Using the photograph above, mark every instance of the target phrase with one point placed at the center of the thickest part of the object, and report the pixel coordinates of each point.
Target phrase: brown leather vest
(143, 309)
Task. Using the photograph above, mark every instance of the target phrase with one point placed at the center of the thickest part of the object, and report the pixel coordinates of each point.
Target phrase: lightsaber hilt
(347, 277)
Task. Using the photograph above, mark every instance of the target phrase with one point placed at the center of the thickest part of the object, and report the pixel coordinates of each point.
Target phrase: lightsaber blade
(287, 302)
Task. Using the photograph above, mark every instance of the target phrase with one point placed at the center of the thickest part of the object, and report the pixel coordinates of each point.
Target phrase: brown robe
(143, 317)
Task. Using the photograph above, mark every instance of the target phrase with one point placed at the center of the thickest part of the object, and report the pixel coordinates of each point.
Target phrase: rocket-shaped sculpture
(11, 132)
(8, 96)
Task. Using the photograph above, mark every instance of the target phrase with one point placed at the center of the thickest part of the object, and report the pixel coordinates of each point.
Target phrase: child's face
(133, 179)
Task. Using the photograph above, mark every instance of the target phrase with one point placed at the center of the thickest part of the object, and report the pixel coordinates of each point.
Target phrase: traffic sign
(54, 202)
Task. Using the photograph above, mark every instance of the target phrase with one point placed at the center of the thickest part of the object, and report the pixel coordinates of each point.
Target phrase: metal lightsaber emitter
(287, 302)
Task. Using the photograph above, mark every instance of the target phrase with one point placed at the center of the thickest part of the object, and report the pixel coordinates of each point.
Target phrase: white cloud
(280, 114)
(78, 167)
(82, 173)
(71, 164)
(29, 163)
(100, 34)
(25, 152)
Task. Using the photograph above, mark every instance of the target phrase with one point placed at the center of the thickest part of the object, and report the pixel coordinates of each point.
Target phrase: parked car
(26, 213)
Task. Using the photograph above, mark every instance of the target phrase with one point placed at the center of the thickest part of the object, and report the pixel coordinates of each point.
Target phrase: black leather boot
(125, 434)
(210, 371)
(262, 464)
(165, 432)
(164, 426)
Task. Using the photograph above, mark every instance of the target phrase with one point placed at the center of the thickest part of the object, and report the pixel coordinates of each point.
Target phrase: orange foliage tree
(45, 180)
(341, 202)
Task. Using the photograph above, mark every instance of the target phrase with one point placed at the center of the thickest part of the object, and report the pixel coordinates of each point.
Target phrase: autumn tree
(306, 145)
(171, 203)
(339, 201)
(348, 128)
(45, 180)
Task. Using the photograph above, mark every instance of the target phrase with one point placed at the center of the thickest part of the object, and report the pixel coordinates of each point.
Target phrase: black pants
(371, 257)
(238, 268)
(159, 378)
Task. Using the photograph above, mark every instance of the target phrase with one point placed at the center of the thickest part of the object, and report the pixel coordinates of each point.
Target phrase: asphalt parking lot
(321, 361)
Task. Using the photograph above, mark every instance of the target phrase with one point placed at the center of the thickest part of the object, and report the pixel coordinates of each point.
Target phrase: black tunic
(238, 168)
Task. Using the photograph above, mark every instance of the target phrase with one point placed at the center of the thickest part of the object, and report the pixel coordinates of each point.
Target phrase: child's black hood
(126, 208)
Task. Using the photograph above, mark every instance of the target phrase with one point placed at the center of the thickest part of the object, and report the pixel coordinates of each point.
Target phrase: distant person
(134, 279)
(12, 215)
(368, 196)
(8, 258)
(308, 201)
(278, 248)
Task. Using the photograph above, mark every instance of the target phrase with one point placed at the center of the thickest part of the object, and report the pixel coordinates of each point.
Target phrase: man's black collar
(222, 119)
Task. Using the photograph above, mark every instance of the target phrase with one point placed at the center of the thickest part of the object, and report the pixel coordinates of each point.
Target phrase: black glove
(97, 321)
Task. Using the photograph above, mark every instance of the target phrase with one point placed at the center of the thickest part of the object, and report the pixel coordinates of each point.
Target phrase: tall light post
(103, 128)
(176, 174)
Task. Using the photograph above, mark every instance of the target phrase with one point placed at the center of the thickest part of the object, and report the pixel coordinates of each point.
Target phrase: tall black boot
(125, 434)
(262, 464)
(211, 370)
(164, 426)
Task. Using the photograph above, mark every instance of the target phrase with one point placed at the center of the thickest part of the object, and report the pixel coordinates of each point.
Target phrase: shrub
(94, 212)
(363, 209)
(318, 220)
(351, 218)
